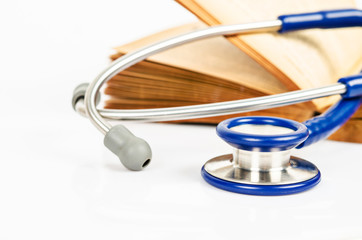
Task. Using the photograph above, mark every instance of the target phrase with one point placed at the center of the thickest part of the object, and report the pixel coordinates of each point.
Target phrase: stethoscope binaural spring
(261, 163)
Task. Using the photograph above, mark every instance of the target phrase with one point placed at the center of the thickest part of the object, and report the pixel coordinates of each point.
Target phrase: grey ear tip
(134, 153)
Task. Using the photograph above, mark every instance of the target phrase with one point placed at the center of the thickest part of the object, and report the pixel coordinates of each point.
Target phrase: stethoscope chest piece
(261, 163)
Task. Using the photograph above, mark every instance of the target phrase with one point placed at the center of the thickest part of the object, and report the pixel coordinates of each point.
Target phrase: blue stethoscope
(261, 163)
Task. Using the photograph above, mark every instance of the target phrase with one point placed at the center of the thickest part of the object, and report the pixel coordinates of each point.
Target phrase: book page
(214, 57)
(301, 60)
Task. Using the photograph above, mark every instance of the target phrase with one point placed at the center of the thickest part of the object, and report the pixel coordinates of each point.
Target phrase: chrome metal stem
(261, 161)
(137, 56)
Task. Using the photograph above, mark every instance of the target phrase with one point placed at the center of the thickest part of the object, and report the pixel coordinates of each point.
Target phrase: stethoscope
(261, 163)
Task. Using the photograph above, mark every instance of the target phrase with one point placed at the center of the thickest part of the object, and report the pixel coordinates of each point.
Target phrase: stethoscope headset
(262, 163)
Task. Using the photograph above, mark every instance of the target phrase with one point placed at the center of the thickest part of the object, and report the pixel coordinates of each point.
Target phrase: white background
(57, 180)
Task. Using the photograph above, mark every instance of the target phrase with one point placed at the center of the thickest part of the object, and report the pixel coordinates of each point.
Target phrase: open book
(212, 70)
(215, 70)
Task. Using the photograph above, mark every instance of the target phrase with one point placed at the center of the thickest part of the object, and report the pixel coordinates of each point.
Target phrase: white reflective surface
(71, 184)
(57, 180)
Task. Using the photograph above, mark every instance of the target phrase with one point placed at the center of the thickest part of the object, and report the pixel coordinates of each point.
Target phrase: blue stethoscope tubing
(135, 153)
(322, 126)
(340, 18)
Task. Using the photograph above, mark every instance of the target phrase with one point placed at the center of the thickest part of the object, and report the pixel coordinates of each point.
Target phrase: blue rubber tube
(322, 126)
(323, 19)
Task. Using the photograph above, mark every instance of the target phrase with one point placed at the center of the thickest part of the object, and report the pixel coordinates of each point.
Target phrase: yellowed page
(214, 57)
(301, 60)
